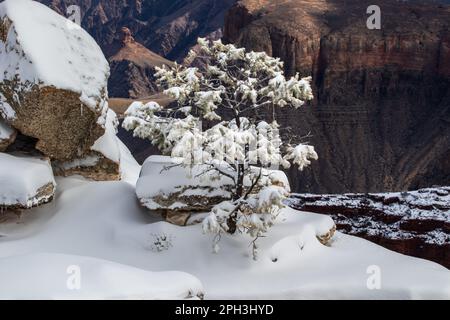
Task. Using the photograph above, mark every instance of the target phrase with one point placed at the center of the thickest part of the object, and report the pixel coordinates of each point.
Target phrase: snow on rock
(106, 159)
(48, 276)
(25, 182)
(108, 145)
(168, 187)
(7, 135)
(177, 191)
(54, 70)
(42, 47)
(292, 263)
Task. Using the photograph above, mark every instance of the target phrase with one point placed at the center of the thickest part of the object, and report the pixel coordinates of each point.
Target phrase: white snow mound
(108, 144)
(77, 277)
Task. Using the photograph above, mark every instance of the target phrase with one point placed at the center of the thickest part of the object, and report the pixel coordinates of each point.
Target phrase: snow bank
(5, 130)
(292, 263)
(23, 181)
(108, 144)
(44, 48)
(54, 276)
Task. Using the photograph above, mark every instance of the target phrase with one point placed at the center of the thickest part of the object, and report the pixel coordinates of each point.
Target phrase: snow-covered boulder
(177, 192)
(102, 162)
(53, 79)
(7, 135)
(25, 182)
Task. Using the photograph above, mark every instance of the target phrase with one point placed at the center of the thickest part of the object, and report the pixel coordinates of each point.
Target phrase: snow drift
(25, 277)
(108, 224)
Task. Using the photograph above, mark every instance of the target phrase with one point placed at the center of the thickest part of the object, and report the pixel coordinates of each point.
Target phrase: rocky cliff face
(414, 223)
(167, 27)
(133, 67)
(381, 118)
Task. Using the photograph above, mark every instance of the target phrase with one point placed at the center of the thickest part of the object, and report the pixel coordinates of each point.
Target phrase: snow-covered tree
(218, 122)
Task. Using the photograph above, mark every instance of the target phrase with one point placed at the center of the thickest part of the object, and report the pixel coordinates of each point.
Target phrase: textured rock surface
(53, 79)
(414, 223)
(64, 128)
(133, 68)
(381, 118)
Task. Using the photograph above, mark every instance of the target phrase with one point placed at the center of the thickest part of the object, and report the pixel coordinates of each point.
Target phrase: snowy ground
(99, 229)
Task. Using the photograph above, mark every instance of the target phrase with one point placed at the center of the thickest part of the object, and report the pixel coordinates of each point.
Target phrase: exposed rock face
(414, 223)
(133, 68)
(381, 118)
(54, 91)
(65, 129)
(168, 27)
(25, 182)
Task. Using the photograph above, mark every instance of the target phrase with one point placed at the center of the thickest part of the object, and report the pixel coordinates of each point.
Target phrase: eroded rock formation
(133, 68)
(167, 27)
(381, 118)
(414, 223)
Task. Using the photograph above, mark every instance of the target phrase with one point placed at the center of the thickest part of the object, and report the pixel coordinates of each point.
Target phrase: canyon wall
(381, 116)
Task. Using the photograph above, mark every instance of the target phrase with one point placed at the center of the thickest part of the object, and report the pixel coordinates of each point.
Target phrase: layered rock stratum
(381, 117)
(414, 223)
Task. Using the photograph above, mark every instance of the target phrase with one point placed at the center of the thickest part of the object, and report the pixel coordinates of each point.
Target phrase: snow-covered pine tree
(217, 123)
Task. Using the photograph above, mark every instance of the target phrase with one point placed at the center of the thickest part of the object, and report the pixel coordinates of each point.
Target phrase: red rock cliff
(381, 118)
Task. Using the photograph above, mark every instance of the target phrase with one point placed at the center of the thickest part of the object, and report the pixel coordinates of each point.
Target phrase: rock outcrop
(168, 27)
(53, 79)
(415, 223)
(381, 117)
(25, 182)
(133, 68)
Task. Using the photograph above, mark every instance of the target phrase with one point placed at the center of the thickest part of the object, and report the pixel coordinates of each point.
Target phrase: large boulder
(7, 135)
(53, 79)
(177, 192)
(25, 182)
